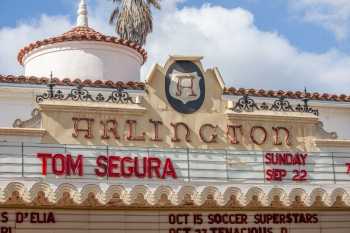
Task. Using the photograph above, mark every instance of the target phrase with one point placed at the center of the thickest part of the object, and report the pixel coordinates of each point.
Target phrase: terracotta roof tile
(69, 82)
(141, 86)
(81, 34)
(289, 94)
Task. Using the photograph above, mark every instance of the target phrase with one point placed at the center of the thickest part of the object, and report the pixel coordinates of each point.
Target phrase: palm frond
(155, 3)
(114, 16)
(133, 19)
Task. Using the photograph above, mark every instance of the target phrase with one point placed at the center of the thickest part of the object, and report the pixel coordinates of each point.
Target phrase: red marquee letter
(169, 169)
(102, 166)
(56, 169)
(44, 157)
(75, 167)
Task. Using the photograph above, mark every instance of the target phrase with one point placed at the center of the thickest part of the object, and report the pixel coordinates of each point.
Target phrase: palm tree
(133, 19)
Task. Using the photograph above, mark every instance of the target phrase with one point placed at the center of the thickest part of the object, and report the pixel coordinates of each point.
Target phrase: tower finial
(82, 20)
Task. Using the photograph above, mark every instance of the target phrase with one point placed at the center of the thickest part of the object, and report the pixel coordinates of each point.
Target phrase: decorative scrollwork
(33, 122)
(282, 105)
(306, 108)
(248, 104)
(245, 104)
(42, 97)
(264, 106)
(118, 96)
(81, 94)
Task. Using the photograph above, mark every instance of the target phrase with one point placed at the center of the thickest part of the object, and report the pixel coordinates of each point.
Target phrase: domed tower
(83, 53)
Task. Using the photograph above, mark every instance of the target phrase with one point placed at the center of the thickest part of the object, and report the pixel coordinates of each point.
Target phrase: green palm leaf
(133, 19)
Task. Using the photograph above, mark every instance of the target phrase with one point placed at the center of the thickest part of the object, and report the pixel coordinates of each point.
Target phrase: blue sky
(270, 15)
(290, 43)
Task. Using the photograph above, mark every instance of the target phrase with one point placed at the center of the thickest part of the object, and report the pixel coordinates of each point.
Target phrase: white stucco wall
(15, 103)
(84, 60)
(336, 118)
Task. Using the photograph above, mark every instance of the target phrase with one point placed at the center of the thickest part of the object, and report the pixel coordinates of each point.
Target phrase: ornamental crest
(184, 86)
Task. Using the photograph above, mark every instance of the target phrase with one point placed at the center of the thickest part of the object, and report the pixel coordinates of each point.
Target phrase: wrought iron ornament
(245, 104)
(306, 108)
(118, 96)
(281, 105)
(248, 104)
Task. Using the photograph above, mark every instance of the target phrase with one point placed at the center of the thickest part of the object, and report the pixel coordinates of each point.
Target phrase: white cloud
(246, 56)
(333, 15)
(227, 38)
(13, 39)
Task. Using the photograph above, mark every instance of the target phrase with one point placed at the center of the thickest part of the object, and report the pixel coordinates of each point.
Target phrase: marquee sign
(74, 221)
(112, 164)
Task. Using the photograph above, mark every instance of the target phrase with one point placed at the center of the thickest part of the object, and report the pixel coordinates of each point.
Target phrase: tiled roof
(69, 82)
(287, 94)
(141, 86)
(83, 31)
(81, 34)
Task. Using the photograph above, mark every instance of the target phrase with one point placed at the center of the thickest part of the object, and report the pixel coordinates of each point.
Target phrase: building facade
(94, 149)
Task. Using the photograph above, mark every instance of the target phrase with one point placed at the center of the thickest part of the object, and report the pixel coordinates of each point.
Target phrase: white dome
(83, 53)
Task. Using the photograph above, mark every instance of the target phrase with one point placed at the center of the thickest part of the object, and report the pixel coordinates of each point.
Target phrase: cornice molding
(332, 143)
(22, 132)
(306, 118)
(88, 107)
